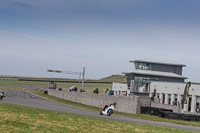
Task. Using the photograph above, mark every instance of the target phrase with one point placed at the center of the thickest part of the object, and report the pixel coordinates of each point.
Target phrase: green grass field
(18, 119)
(32, 83)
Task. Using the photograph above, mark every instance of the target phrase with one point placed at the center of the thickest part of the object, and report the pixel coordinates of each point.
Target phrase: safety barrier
(169, 114)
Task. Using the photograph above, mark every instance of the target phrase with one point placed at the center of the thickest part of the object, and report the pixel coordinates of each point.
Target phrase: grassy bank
(20, 119)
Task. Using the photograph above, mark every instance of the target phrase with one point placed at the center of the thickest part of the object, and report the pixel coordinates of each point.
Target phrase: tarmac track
(27, 99)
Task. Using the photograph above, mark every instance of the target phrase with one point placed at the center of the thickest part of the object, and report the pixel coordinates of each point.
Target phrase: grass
(138, 116)
(114, 78)
(11, 88)
(32, 83)
(20, 119)
(18, 83)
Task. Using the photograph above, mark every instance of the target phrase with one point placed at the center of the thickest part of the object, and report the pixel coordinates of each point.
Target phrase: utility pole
(83, 77)
(70, 72)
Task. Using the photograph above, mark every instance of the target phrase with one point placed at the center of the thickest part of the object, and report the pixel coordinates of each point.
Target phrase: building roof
(158, 62)
(154, 73)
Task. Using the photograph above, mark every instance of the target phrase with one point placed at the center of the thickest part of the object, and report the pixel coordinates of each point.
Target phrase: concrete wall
(124, 104)
(118, 88)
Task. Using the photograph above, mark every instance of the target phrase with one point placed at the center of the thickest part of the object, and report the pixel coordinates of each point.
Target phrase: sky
(100, 35)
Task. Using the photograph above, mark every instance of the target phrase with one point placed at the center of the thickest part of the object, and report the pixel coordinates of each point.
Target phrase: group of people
(96, 90)
(74, 88)
(109, 92)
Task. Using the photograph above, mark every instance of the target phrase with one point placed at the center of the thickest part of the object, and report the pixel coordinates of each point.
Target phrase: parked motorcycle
(108, 110)
(2, 95)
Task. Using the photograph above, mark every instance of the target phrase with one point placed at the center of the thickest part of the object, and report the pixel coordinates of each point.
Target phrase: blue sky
(102, 36)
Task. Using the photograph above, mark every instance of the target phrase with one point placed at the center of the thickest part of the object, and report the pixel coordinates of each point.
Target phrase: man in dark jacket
(96, 91)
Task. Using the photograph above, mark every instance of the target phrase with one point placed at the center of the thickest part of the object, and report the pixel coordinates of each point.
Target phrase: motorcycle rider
(108, 109)
(2, 94)
(112, 104)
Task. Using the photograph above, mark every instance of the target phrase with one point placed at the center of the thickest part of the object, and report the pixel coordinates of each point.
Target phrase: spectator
(107, 90)
(82, 90)
(111, 92)
(60, 89)
(197, 108)
(123, 93)
(75, 89)
(96, 90)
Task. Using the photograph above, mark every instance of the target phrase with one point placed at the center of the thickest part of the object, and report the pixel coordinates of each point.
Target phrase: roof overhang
(155, 73)
(158, 62)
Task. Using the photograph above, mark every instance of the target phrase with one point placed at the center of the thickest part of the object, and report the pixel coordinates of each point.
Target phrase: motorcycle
(108, 110)
(2, 94)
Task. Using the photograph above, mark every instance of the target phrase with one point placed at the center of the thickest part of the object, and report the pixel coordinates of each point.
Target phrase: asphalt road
(30, 100)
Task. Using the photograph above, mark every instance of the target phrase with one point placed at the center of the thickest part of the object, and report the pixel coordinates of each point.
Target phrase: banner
(186, 92)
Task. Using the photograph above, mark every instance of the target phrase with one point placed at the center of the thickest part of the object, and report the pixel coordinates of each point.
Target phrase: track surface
(30, 100)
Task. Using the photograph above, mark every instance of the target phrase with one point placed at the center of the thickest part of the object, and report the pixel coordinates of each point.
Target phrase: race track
(27, 99)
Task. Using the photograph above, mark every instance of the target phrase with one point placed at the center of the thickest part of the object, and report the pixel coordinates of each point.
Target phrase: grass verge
(20, 119)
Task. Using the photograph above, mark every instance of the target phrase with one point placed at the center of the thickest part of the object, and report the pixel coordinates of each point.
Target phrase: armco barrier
(154, 111)
(165, 106)
(124, 104)
(169, 114)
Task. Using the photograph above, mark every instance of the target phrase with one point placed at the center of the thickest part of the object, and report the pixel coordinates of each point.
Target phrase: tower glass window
(142, 87)
(142, 66)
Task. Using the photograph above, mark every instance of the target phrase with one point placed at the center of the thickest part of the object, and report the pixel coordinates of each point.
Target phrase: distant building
(147, 71)
(164, 80)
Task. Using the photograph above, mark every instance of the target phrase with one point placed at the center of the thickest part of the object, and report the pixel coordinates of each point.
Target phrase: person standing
(96, 90)
(111, 92)
(197, 108)
(107, 90)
